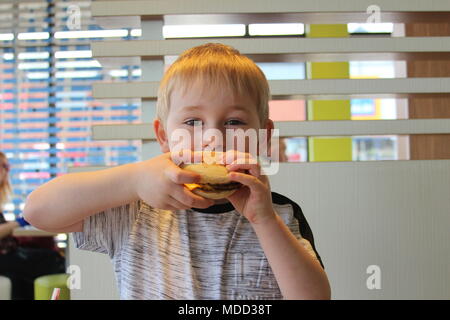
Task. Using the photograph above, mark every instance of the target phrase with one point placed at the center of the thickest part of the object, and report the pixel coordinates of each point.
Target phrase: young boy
(165, 241)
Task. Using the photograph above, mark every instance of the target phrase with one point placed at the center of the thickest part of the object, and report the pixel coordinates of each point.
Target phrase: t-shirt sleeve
(306, 235)
(296, 221)
(107, 231)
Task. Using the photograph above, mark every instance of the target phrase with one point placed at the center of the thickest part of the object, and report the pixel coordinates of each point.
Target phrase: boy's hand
(254, 199)
(159, 182)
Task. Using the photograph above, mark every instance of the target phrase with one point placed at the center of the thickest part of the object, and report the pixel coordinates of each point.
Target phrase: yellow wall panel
(330, 148)
(329, 110)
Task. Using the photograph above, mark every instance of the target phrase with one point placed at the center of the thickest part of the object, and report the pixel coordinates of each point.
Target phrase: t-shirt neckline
(216, 208)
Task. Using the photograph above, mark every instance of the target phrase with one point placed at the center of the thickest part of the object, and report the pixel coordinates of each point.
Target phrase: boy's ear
(269, 127)
(161, 135)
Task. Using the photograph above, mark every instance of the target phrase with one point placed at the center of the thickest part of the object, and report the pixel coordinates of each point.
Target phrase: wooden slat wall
(435, 146)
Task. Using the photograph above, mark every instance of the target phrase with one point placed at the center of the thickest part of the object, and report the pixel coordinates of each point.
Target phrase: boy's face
(207, 110)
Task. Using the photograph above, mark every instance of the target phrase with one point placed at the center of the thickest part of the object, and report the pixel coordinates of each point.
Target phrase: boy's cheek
(178, 143)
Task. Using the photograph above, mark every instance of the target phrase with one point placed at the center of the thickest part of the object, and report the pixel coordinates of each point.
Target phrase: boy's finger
(177, 204)
(184, 156)
(180, 176)
(247, 180)
(188, 198)
(234, 156)
(254, 169)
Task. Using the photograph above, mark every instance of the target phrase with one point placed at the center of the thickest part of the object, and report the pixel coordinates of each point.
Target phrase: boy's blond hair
(220, 66)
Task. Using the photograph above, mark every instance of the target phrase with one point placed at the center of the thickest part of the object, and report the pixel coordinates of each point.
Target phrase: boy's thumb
(180, 176)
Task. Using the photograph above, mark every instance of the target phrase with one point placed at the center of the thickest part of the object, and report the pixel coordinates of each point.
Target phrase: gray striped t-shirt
(189, 254)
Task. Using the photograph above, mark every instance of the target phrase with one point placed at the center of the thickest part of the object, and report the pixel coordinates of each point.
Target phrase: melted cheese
(192, 186)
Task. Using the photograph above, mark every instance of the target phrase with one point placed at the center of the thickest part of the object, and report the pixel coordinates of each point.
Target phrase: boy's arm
(62, 203)
(298, 274)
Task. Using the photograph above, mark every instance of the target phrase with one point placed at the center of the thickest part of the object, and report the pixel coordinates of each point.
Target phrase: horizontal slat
(304, 57)
(288, 45)
(363, 127)
(113, 90)
(136, 8)
(118, 22)
(303, 17)
(148, 90)
(117, 63)
(361, 86)
(144, 131)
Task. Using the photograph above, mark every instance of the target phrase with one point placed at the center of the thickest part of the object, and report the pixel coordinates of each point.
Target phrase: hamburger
(214, 183)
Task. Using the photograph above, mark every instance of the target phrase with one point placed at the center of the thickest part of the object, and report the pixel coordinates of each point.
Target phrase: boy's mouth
(209, 187)
(214, 180)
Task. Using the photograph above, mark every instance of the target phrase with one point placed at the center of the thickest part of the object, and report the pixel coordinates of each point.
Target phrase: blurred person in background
(23, 259)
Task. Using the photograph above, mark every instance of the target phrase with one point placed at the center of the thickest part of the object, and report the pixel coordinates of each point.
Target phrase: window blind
(46, 104)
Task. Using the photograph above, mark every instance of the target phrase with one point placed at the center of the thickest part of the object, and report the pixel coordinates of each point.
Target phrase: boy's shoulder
(279, 199)
(304, 228)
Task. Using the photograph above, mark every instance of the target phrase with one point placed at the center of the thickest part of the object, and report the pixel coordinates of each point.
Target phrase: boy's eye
(193, 122)
(234, 122)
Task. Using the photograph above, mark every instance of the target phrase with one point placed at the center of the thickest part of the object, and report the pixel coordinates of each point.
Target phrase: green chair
(43, 286)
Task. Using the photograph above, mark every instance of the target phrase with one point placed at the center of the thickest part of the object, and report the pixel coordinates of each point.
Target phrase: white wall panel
(394, 214)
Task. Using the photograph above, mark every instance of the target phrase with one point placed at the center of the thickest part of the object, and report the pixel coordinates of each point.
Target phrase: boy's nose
(213, 145)
(213, 139)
